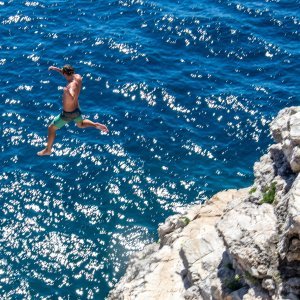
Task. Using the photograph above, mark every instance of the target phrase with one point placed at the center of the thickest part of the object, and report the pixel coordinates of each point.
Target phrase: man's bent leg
(88, 123)
(51, 136)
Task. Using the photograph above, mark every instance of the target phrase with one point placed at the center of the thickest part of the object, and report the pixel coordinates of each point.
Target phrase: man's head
(68, 70)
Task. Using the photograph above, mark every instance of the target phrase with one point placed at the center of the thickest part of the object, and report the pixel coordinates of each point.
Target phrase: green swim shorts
(66, 116)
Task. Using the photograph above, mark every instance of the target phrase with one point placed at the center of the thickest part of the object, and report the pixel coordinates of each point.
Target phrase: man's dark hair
(68, 70)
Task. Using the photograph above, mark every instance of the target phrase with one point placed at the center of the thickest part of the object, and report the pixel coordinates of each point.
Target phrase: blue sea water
(187, 89)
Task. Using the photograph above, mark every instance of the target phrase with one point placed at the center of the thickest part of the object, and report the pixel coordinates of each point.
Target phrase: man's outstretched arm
(56, 69)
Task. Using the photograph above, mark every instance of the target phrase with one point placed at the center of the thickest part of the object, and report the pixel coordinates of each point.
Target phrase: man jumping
(71, 110)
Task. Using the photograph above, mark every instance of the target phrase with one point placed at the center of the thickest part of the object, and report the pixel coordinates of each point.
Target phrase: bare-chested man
(71, 110)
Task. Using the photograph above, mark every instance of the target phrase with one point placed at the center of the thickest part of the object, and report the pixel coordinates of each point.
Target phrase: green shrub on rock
(269, 194)
(253, 190)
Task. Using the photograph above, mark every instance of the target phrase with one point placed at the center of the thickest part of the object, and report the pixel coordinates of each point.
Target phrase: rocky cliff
(242, 244)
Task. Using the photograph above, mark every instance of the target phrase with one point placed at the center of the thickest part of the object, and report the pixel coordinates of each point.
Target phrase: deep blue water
(187, 89)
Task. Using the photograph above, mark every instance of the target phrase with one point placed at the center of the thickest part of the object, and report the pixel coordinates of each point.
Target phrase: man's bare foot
(101, 127)
(44, 152)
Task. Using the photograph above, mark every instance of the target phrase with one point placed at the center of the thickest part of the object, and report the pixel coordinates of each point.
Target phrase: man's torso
(70, 103)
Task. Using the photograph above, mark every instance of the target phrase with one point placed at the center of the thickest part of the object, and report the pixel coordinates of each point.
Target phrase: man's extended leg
(88, 123)
(51, 136)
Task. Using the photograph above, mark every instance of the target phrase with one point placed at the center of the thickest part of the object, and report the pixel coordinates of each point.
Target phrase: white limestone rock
(285, 129)
(250, 235)
(154, 274)
(289, 245)
(257, 293)
(295, 159)
(295, 128)
(280, 126)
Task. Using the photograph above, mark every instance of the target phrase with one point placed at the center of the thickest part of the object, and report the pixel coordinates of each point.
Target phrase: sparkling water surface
(187, 89)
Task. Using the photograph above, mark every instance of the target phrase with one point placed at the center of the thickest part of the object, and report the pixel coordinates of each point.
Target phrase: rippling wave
(187, 91)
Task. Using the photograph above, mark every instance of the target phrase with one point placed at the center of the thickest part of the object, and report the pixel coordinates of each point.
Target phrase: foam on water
(187, 91)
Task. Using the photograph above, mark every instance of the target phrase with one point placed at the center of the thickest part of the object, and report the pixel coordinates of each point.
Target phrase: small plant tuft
(234, 283)
(185, 220)
(269, 194)
(253, 190)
